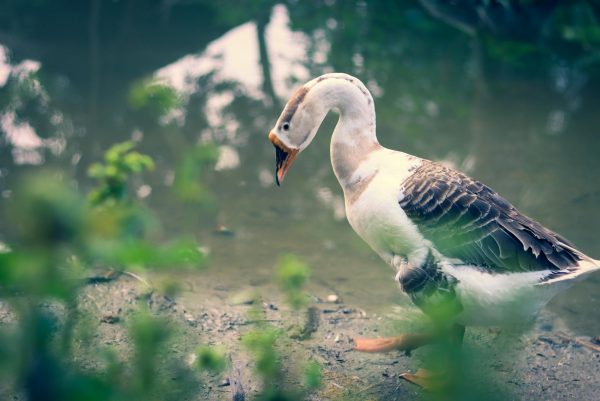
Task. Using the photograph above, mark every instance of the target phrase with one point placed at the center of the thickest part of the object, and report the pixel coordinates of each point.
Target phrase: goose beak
(284, 157)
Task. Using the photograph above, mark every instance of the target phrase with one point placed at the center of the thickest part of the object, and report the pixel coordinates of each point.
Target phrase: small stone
(245, 297)
(223, 231)
(295, 331)
(270, 306)
(332, 298)
(224, 383)
(191, 359)
(190, 320)
(110, 319)
(337, 339)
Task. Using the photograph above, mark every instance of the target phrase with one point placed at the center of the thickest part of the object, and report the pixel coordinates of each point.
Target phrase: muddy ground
(541, 362)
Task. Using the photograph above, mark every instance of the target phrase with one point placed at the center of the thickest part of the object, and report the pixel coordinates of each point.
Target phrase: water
(521, 118)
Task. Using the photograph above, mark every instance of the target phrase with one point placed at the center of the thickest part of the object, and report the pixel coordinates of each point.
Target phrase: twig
(337, 385)
(112, 275)
(249, 322)
(235, 380)
(312, 323)
(104, 277)
(452, 20)
(139, 278)
(583, 343)
(371, 386)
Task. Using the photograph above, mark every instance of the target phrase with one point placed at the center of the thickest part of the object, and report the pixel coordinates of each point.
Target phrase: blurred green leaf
(148, 334)
(134, 253)
(46, 210)
(153, 96)
(261, 343)
(121, 161)
(313, 377)
(211, 359)
(292, 275)
(188, 177)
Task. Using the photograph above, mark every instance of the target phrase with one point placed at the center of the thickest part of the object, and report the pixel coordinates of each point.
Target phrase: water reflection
(476, 102)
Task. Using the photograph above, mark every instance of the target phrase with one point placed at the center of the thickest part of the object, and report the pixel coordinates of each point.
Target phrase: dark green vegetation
(506, 91)
(61, 237)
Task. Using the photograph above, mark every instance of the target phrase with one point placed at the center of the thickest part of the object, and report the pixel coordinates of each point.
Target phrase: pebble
(244, 297)
(332, 298)
(190, 320)
(191, 359)
(223, 230)
(270, 306)
(110, 319)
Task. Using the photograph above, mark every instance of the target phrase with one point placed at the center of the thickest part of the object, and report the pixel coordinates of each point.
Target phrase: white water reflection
(229, 158)
(287, 53)
(333, 201)
(235, 57)
(4, 66)
(266, 178)
(27, 145)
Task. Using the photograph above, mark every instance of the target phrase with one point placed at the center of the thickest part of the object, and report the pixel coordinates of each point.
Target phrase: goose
(464, 255)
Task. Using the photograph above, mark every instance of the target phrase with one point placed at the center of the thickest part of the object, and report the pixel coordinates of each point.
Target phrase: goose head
(303, 114)
(295, 129)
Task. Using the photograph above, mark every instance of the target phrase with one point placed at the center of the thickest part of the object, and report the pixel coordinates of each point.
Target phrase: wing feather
(467, 220)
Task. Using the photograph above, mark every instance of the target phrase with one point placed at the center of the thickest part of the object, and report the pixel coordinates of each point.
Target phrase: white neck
(354, 135)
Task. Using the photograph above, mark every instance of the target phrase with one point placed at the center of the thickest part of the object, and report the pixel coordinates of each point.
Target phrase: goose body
(455, 244)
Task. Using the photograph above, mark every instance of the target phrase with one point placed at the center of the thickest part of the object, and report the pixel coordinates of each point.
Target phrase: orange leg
(428, 380)
(404, 342)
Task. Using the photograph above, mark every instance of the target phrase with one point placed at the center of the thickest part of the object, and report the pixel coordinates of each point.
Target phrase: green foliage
(46, 210)
(292, 276)
(118, 226)
(578, 23)
(155, 97)
(60, 236)
(211, 359)
(51, 220)
(121, 161)
(188, 183)
(516, 53)
(136, 253)
(261, 343)
(313, 376)
(148, 334)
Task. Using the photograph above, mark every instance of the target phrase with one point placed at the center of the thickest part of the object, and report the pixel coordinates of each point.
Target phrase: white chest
(376, 215)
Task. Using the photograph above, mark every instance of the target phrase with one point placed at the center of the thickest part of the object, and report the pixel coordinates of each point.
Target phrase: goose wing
(466, 220)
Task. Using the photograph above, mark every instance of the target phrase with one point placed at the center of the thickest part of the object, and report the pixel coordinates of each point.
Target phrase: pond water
(519, 114)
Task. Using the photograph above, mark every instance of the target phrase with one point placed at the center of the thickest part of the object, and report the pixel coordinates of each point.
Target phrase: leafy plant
(43, 274)
(153, 96)
(188, 178)
(120, 161)
(211, 359)
(292, 276)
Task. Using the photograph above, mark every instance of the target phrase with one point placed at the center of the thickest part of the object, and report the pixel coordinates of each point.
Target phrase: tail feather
(575, 273)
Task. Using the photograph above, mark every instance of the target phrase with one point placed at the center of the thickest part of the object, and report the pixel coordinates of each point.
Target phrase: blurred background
(506, 91)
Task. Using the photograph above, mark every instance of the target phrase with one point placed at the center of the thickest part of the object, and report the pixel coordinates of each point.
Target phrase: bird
(462, 253)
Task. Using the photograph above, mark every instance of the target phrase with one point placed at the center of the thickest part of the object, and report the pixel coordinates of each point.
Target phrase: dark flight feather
(467, 220)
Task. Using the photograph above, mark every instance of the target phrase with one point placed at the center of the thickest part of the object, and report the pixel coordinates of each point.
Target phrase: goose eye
(285, 126)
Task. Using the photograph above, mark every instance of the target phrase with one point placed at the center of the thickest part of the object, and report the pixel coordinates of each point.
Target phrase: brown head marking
(294, 103)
